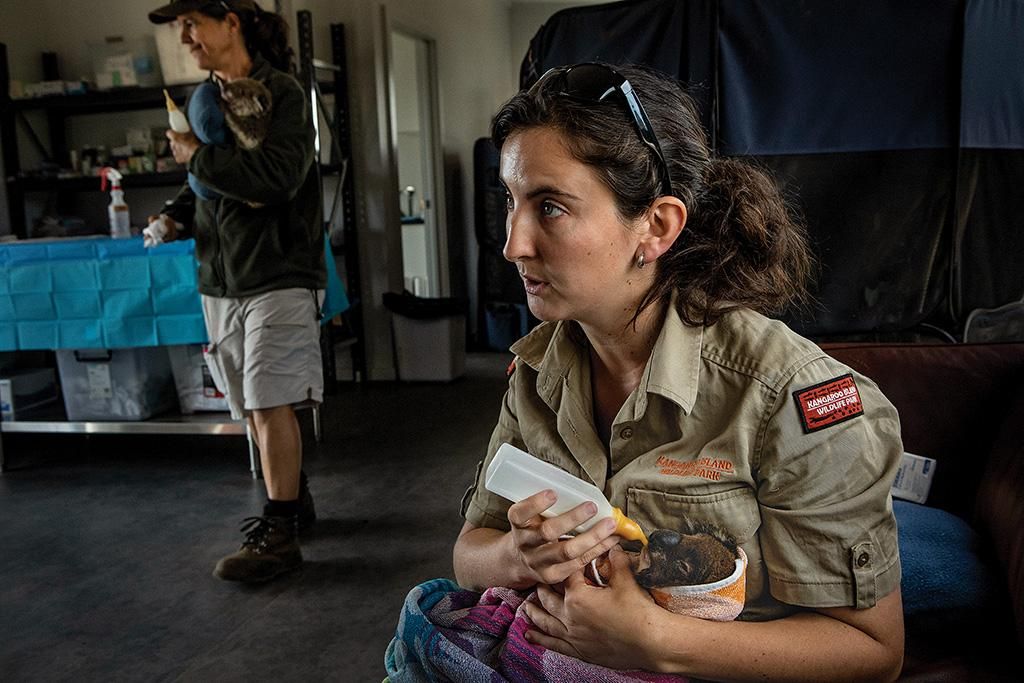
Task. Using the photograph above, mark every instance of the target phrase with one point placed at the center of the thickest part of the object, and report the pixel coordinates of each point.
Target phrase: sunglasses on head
(591, 82)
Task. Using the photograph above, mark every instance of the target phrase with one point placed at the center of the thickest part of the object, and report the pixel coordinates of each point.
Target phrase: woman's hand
(183, 146)
(536, 544)
(609, 626)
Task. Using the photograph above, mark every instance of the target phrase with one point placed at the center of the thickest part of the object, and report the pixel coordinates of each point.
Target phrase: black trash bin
(429, 336)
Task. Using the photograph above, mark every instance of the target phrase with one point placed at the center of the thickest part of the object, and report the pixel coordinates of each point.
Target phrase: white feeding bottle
(515, 474)
(175, 117)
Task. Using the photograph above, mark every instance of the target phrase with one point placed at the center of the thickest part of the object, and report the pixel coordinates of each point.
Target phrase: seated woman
(657, 376)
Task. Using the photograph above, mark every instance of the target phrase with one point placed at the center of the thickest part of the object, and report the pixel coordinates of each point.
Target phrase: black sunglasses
(591, 82)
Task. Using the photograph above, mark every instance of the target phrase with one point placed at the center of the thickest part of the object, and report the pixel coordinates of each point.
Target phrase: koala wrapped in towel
(447, 633)
(238, 109)
(699, 571)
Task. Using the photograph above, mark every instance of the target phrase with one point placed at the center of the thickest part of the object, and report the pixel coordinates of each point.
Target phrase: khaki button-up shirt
(744, 424)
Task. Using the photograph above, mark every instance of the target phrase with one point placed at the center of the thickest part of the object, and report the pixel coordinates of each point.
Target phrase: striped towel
(446, 633)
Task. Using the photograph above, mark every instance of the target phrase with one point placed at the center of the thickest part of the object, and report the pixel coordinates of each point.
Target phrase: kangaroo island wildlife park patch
(828, 403)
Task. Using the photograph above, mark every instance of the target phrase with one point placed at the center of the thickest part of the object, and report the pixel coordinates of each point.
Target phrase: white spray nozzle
(111, 174)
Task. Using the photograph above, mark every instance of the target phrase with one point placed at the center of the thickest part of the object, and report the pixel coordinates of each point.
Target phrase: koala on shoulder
(247, 105)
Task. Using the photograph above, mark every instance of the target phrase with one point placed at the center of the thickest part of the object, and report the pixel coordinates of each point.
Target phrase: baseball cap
(173, 10)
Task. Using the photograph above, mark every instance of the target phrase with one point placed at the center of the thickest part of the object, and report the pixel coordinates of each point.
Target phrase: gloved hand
(161, 229)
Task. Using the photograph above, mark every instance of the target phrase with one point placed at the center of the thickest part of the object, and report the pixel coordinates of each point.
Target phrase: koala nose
(664, 538)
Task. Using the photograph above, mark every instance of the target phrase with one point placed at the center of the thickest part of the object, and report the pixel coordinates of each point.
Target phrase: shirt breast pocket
(734, 510)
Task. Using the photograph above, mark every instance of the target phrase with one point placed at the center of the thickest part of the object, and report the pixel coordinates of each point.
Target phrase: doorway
(414, 126)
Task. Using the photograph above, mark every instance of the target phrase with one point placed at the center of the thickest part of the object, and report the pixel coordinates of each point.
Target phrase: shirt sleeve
(480, 507)
(823, 475)
(182, 208)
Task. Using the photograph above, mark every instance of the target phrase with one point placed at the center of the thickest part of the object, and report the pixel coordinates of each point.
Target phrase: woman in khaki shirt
(658, 377)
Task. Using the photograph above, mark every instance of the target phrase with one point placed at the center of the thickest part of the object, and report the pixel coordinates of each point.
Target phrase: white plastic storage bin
(116, 384)
(430, 350)
(196, 389)
(430, 337)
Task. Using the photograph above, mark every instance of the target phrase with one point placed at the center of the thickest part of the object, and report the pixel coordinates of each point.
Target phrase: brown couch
(963, 405)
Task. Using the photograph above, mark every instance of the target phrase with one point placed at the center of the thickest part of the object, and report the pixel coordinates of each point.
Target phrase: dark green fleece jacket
(244, 249)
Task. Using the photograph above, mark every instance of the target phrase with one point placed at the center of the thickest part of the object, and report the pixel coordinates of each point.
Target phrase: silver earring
(640, 262)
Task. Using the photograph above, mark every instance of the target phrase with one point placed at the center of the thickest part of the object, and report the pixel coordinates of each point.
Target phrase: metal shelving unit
(208, 424)
(331, 78)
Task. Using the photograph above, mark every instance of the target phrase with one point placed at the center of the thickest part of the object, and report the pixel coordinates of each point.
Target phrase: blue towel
(207, 122)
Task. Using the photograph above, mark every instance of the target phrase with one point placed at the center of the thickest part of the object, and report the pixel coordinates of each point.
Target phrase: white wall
(472, 39)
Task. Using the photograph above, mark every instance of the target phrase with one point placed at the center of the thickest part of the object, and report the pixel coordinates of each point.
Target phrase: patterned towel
(446, 633)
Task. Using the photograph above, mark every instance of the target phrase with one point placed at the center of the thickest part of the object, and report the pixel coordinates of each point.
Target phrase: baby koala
(698, 571)
(247, 104)
(699, 553)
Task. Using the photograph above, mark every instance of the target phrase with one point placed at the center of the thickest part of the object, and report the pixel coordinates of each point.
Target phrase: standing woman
(658, 377)
(261, 264)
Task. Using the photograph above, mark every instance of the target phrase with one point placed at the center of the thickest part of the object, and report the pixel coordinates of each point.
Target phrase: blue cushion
(207, 122)
(944, 574)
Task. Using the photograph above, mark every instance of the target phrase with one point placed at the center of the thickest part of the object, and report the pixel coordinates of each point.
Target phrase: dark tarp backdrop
(896, 127)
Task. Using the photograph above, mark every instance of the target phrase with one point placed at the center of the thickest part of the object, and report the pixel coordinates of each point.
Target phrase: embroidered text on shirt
(711, 469)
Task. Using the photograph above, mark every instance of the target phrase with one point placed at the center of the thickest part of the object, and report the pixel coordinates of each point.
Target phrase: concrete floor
(107, 542)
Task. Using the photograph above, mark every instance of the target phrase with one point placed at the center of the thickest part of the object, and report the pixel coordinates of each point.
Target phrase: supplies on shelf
(119, 62)
(25, 390)
(116, 384)
(197, 390)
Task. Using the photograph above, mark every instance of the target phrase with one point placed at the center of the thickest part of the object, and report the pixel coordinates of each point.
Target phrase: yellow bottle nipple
(171, 106)
(627, 528)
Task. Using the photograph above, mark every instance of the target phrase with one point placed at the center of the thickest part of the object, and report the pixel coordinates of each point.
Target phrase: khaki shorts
(265, 349)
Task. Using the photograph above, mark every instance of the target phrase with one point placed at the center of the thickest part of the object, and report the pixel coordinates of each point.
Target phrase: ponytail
(741, 247)
(266, 34)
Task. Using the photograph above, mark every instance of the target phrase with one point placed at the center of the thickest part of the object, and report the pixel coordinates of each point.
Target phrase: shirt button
(863, 559)
(626, 433)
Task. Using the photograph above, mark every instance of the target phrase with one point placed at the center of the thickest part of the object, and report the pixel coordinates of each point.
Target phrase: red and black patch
(828, 403)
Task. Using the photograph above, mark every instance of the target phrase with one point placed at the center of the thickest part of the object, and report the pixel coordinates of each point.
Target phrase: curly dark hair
(742, 246)
(265, 34)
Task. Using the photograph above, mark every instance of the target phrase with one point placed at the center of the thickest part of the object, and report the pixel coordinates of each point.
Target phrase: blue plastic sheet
(98, 293)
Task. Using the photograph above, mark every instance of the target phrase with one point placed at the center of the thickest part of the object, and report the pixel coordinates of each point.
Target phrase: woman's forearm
(810, 646)
(485, 557)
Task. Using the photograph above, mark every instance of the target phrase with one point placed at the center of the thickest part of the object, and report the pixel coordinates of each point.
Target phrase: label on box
(99, 381)
(913, 478)
(6, 401)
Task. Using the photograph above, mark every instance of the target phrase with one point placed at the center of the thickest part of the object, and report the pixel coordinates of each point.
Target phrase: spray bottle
(515, 474)
(120, 221)
(175, 117)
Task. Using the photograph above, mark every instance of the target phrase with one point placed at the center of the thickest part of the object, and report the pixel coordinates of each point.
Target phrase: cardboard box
(21, 391)
(118, 62)
(197, 390)
(177, 65)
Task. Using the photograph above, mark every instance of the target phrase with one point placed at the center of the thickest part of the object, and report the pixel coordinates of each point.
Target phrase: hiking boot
(270, 549)
(307, 511)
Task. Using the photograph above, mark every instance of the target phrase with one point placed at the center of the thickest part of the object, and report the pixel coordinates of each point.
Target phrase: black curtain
(896, 127)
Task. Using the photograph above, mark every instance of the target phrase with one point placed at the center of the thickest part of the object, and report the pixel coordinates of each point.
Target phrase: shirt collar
(673, 370)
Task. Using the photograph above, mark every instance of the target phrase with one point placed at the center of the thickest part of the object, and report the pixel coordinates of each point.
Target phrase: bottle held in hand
(515, 474)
